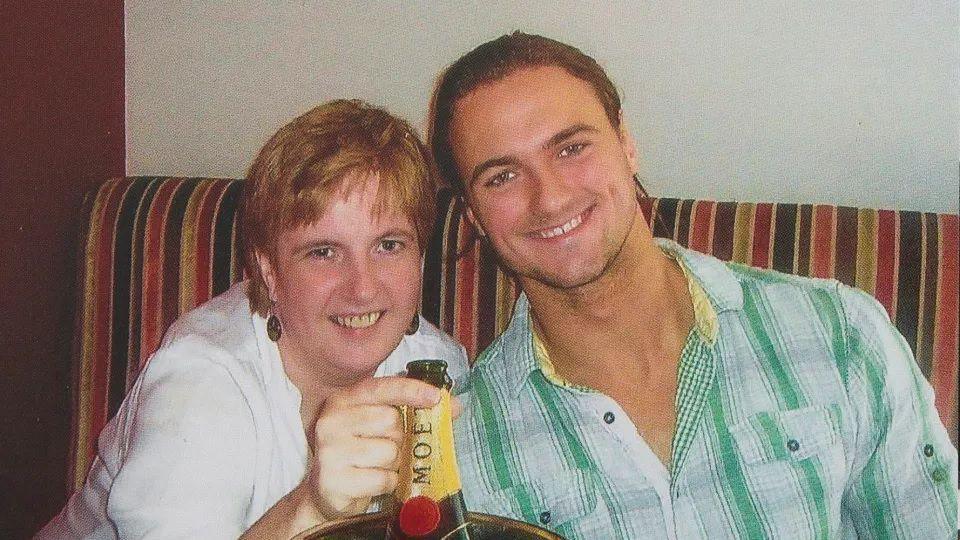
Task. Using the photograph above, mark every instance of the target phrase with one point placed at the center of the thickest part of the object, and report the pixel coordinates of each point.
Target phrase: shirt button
(928, 450)
(939, 475)
(608, 417)
(793, 445)
(545, 517)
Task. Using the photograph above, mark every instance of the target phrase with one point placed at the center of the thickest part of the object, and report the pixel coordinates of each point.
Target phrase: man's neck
(630, 320)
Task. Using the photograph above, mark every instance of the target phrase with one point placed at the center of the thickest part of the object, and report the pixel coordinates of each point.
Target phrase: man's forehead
(537, 101)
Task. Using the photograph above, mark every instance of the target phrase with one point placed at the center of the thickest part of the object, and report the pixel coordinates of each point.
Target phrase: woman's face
(345, 287)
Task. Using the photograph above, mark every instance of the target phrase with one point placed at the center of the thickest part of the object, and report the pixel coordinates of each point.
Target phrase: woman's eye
(572, 149)
(500, 178)
(390, 245)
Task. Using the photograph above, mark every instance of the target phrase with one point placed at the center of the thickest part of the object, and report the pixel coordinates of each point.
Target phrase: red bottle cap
(419, 516)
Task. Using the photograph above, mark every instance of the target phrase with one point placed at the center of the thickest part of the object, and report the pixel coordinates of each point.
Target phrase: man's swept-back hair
(327, 152)
(495, 60)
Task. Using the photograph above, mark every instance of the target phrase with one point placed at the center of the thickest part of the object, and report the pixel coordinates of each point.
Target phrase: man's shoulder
(794, 295)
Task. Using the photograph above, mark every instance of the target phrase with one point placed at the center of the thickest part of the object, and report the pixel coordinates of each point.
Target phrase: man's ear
(268, 274)
(474, 221)
(628, 145)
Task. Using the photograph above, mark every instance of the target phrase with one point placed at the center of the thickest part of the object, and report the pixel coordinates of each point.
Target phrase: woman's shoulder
(224, 325)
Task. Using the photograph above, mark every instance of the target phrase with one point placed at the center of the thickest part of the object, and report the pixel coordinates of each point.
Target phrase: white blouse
(210, 436)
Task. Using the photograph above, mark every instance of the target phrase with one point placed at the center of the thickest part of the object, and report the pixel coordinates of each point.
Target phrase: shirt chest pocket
(793, 465)
(555, 501)
(792, 435)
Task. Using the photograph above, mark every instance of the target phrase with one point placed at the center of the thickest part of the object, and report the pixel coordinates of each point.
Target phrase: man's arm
(903, 480)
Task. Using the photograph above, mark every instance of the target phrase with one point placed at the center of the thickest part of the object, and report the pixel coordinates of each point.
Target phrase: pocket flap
(787, 435)
(550, 501)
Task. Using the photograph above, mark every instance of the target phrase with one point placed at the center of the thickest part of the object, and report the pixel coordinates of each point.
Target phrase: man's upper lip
(539, 230)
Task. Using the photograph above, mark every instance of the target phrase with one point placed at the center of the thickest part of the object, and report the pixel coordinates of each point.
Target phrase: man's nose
(550, 191)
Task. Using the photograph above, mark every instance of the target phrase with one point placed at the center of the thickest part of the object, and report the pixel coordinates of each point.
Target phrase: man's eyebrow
(567, 133)
(557, 138)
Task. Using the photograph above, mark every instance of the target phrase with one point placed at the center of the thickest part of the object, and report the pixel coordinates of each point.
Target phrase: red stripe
(700, 237)
(646, 206)
(99, 367)
(762, 223)
(943, 376)
(465, 287)
(821, 247)
(887, 257)
(151, 329)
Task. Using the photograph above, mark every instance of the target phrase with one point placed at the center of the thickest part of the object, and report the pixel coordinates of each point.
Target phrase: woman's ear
(268, 274)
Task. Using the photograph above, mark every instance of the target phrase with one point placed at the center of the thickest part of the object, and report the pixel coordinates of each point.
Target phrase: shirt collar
(717, 280)
(513, 357)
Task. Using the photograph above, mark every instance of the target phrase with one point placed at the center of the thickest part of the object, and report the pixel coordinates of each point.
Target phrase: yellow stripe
(921, 293)
(504, 306)
(444, 267)
(188, 247)
(866, 277)
(84, 391)
(796, 243)
(743, 232)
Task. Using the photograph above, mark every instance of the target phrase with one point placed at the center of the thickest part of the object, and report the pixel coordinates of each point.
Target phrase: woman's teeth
(359, 321)
(563, 229)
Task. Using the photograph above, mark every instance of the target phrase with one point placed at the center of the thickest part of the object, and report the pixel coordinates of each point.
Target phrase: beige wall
(851, 103)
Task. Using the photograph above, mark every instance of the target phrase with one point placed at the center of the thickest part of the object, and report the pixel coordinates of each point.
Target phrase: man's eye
(572, 149)
(390, 246)
(500, 178)
(324, 252)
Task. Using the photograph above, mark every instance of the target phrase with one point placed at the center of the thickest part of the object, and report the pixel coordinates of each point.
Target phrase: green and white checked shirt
(805, 417)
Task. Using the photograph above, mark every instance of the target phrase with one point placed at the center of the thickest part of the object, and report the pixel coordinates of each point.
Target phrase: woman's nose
(361, 281)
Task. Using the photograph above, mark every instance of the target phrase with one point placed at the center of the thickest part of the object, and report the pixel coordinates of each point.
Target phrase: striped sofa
(152, 248)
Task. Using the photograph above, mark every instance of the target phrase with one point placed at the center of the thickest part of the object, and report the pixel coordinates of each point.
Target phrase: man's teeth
(359, 321)
(563, 229)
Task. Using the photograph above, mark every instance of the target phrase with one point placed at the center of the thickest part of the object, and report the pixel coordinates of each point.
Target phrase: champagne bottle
(428, 502)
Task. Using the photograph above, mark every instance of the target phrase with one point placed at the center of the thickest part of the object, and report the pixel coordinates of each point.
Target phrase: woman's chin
(363, 359)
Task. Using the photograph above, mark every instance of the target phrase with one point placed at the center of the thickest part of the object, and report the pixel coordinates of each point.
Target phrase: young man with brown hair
(645, 390)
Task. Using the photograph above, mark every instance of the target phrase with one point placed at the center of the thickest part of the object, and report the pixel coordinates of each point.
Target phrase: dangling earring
(414, 324)
(274, 330)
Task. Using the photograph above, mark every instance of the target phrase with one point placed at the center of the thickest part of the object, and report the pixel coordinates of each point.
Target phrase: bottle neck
(429, 462)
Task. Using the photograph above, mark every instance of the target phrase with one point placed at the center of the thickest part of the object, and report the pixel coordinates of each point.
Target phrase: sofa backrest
(153, 248)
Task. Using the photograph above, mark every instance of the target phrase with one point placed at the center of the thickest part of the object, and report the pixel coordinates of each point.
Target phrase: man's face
(547, 177)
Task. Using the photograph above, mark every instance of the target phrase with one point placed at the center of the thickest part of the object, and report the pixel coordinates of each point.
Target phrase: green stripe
(574, 452)
(872, 477)
(491, 421)
(694, 380)
(829, 313)
(734, 483)
(754, 304)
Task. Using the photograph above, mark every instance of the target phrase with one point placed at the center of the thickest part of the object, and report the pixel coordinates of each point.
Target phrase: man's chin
(569, 279)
